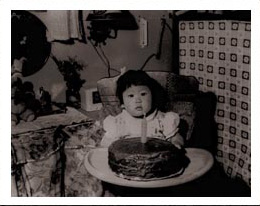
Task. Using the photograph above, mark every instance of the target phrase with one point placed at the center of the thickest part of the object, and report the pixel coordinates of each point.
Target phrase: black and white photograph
(130, 103)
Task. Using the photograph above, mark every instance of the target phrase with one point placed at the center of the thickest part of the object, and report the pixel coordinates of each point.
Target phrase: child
(141, 97)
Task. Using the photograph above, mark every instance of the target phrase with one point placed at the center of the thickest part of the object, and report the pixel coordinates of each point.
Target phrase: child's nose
(138, 99)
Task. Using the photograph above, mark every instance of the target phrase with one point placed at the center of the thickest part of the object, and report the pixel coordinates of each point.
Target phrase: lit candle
(144, 130)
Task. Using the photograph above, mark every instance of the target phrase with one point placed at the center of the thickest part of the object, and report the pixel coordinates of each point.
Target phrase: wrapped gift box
(38, 163)
(80, 139)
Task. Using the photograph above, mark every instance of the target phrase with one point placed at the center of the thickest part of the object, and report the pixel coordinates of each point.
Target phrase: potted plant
(70, 69)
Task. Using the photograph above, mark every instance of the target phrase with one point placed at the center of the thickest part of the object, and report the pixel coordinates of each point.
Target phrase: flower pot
(73, 98)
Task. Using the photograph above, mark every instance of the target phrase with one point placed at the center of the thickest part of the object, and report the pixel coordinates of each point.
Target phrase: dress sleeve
(170, 122)
(110, 128)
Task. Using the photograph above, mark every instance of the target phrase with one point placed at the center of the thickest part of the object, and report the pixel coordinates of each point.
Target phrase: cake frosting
(156, 158)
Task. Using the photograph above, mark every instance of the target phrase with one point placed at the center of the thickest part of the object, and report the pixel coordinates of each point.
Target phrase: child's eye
(143, 93)
(130, 95)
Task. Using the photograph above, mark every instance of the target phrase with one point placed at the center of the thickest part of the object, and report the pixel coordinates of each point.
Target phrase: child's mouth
(139, 108)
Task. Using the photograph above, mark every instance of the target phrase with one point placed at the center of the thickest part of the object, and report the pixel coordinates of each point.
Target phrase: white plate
(96, 162)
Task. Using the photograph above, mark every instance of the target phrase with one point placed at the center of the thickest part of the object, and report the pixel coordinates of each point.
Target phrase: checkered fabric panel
(217, 53)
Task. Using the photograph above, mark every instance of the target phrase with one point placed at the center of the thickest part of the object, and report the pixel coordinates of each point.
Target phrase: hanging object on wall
(105, 24)
(143, 32)
(65, 26)
(157, 55)
(29, 41)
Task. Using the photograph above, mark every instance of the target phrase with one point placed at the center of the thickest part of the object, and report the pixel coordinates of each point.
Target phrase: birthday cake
(132, 159)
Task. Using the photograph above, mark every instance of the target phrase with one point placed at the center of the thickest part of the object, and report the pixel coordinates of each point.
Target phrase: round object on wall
(29, 41)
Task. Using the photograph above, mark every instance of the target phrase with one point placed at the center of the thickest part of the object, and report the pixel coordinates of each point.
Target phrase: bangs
(138, 79)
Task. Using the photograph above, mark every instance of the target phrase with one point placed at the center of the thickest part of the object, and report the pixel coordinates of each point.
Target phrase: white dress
(159, 125)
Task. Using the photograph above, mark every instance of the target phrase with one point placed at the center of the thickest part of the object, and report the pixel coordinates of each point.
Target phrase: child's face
(137, 100)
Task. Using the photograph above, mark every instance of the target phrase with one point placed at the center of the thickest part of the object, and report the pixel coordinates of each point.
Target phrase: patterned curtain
(217, 53)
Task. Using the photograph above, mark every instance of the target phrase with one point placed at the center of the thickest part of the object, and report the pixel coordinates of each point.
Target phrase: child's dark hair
(141, 78)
